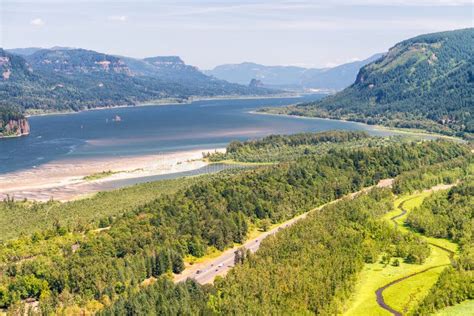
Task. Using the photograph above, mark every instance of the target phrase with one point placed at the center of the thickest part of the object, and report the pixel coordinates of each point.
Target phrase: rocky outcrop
(14, 128)
(255, 83)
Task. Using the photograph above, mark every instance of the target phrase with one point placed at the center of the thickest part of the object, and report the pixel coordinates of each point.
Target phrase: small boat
(117, 118)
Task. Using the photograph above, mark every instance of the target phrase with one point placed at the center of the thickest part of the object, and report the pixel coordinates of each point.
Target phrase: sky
(207, 33)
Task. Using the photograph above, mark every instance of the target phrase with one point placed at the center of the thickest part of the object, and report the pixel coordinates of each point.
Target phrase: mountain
(74, 61)
(292, 77)
(243, 73)
(23, 51)
(423, 82)
(73, 79)
(336, 78)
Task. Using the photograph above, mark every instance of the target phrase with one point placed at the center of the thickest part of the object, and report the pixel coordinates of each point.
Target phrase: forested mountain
(75, 79)
(424, 82)
(334, 78)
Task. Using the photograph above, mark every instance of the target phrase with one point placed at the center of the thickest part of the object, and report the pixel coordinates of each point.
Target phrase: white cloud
(117, 18)
(37, 22)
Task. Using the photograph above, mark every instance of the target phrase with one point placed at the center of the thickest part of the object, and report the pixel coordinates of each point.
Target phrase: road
(206, 272)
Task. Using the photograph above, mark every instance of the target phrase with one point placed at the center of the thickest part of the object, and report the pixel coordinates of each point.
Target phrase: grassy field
(27, 217)
(464, 309)
(376, 275)
(404, 295)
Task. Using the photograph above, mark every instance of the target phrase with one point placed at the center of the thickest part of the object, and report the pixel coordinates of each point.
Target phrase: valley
(237, 158)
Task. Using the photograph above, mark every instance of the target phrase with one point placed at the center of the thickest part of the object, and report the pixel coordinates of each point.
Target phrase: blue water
(154, 129)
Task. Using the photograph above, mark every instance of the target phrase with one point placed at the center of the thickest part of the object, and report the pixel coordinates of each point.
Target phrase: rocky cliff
(14, 128)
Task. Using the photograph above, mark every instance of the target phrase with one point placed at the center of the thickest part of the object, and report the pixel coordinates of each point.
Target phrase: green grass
(25, 218)
(376, 275)
(100, 175)
(405, 295)
(463, 309)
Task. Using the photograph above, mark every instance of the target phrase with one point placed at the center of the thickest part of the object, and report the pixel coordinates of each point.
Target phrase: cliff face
(13, 128)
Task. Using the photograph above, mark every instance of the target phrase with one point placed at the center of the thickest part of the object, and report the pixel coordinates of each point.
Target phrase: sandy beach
(64, 179)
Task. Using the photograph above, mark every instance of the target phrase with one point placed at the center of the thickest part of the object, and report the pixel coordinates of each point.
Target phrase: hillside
(291, 77)
(425, 82)
(74, 79)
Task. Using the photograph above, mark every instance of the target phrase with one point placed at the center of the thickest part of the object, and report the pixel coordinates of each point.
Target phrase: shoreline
(14, 136)
(176, 102)
(67, 179)
(413, 132)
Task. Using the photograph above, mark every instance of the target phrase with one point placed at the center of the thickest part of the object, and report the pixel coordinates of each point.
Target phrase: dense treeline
(276, 148)
(453, 287)
(9, 113)
(425, 82)
(23, 218)
(429, 176)
(449, 215)
(164, 298)
(60, 267)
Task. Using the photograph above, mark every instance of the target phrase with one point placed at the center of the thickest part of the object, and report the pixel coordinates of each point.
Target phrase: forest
(23, 218)
(447, 214)
(293, 266)
(447, 172)
(311, 267)
(276, 148)
(66, 267)
(294, 271)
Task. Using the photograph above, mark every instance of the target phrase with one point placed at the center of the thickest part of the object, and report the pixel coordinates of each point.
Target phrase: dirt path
(379, 292)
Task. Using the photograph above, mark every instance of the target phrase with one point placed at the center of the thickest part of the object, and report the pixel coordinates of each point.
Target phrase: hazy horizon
(209, 33)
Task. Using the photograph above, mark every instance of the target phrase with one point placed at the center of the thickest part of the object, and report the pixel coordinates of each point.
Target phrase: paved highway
(206, 272)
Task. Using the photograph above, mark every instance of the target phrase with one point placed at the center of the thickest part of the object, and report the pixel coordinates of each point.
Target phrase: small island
(13, 123)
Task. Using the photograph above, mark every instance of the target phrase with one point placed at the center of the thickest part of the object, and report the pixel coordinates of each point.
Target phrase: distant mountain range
(64, 78)
(291, 77)
(424, 82)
